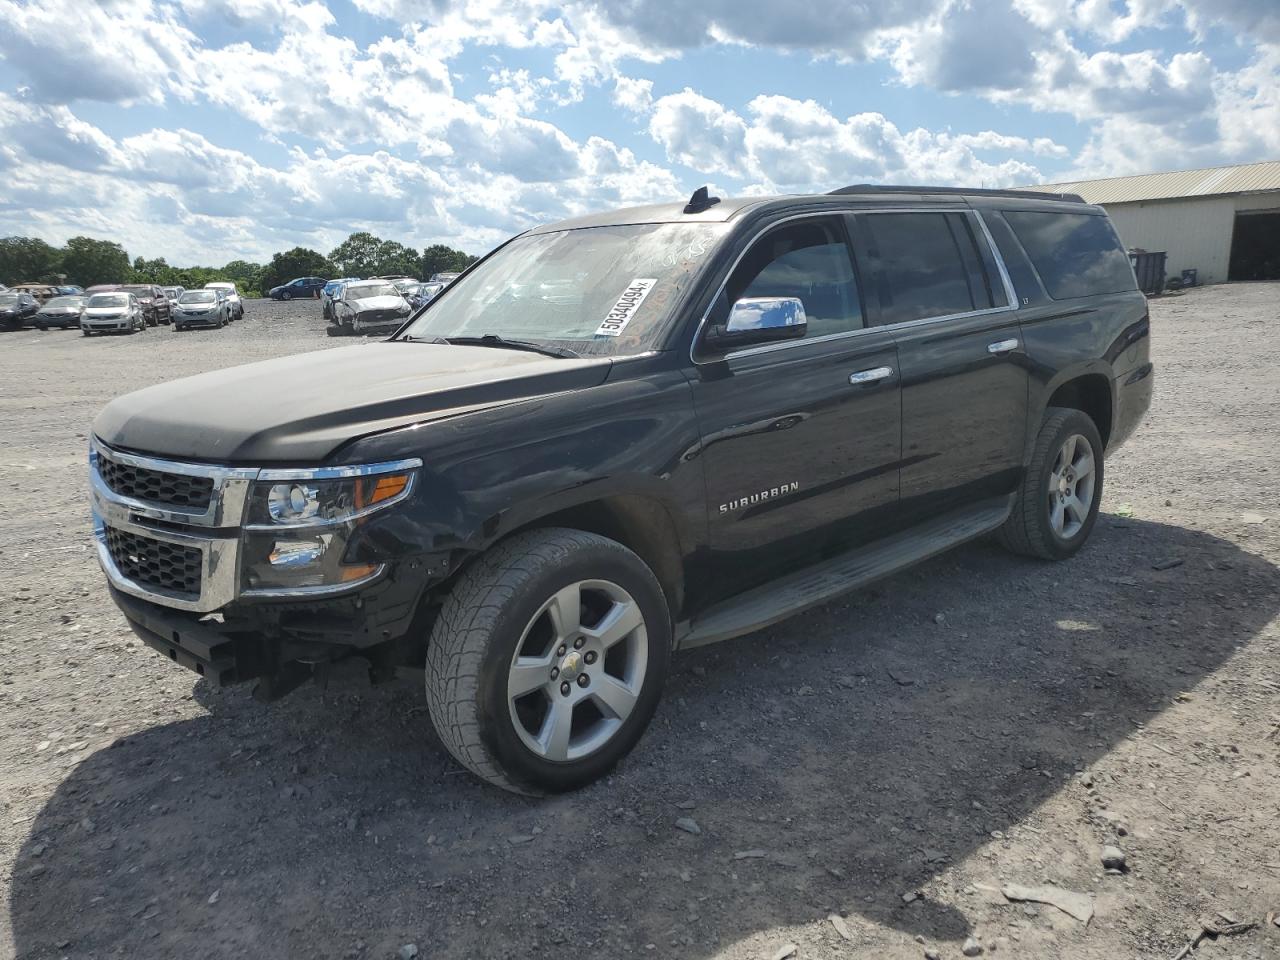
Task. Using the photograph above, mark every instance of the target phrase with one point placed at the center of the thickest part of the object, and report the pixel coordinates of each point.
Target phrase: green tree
(439, 258)
(395, 258)
(243, 273)
(298, 262)
(28, 260)
(357, 256)
(152, 271)
(87, 261)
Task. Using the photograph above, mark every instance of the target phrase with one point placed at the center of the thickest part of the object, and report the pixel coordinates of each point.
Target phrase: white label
(622, 312)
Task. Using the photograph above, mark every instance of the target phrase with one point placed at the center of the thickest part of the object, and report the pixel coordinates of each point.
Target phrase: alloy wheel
(576, 674)
(1071, 487)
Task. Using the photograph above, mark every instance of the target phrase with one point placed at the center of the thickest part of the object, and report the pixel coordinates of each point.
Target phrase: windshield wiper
(493, 340)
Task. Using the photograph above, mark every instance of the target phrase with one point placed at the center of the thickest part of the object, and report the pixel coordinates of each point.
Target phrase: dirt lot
(890, 760)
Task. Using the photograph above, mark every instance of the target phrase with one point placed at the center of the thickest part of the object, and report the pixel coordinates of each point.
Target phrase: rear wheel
(547, 660)
(1057, 505)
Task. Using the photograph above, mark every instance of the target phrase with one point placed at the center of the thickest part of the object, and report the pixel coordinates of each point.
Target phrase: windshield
(365, 291)
(8, 299)
(138, 291)
(199, 296)
(73, 302)
(109, 300)
(229, 287)
(599, 291)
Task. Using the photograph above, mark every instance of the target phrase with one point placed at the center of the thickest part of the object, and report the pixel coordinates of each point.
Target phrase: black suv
(624, 435)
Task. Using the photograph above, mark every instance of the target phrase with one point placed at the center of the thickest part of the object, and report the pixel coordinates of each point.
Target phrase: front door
(801, 438)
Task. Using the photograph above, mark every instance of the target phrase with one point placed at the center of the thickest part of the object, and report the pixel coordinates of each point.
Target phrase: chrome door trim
(1010, 307)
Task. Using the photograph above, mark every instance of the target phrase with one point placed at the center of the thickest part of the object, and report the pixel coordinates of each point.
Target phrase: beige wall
(1195, 232)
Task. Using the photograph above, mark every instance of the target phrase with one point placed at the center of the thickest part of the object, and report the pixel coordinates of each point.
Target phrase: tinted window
(1076, 254)
(810, 261)
(928, 265)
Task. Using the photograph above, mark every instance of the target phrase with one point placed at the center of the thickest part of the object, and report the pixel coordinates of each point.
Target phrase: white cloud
(794, 146)
(632, 94)
(699, 132)
(114, 51)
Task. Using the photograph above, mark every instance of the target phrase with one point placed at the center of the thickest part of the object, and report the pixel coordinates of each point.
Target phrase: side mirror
(755, 320)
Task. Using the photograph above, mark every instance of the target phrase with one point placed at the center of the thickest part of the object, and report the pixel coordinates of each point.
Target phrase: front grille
(172, 489)
(155, 563)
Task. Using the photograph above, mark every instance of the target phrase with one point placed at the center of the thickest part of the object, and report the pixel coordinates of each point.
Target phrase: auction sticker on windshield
(620, 315)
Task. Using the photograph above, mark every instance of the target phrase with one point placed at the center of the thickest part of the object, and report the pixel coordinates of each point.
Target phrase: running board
(815, 585)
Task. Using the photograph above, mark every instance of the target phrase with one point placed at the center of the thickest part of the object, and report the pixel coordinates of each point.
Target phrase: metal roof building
(1222, 222)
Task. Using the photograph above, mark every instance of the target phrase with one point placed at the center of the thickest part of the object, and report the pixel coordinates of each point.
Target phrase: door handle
(1003, 346)
(863, 377)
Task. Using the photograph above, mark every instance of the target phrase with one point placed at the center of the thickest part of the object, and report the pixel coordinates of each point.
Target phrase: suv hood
(300, 409)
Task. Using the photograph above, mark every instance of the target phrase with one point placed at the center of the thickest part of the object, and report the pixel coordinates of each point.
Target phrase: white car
(237, 306)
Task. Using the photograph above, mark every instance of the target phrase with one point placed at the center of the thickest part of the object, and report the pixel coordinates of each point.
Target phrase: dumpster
(1149, 268)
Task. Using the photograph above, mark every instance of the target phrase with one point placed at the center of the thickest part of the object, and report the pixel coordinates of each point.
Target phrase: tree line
(84, 261)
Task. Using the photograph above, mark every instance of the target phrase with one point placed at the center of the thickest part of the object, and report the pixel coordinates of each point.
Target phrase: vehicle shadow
(835, 762)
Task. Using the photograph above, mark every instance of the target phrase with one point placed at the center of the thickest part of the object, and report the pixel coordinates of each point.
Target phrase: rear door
(797, 458)
(963, 364)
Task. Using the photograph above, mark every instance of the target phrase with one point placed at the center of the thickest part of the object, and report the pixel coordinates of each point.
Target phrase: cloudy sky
(207, 130)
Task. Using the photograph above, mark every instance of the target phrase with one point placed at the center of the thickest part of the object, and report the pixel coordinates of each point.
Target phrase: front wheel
(1057, 504)
(286, 295)
(547, 660)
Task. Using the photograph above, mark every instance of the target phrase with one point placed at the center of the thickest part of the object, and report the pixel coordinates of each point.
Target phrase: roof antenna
(700, 201)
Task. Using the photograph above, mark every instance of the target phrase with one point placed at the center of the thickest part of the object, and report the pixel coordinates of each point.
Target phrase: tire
(1044, 523)
(42, 326)
(286, 295)
(86, 333)
(508, 603)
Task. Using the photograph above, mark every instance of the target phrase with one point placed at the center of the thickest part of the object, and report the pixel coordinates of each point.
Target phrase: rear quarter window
(1076, 254)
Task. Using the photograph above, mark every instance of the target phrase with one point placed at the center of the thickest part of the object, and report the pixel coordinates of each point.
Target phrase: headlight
(301, 523)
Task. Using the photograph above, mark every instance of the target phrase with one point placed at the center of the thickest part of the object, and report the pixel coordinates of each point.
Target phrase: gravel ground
(863, 778)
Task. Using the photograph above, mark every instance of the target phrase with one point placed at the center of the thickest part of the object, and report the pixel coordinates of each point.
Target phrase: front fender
(489, 472)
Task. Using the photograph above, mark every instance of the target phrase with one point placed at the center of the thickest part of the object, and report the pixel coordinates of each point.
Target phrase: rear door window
(1076, 254)
(929, 265)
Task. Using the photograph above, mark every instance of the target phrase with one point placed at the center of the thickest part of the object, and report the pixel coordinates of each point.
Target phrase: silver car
(202, 308)
(367, 306)
(116, 312)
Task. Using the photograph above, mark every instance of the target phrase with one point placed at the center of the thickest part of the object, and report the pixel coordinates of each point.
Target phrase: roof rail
(960, 191)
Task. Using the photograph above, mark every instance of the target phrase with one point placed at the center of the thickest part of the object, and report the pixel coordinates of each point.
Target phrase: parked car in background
(300, 288)
(233, 295)
(61, 312)
(327, 293)
(16, 307)
(367, 306)
(70, 290)
(445, 278)
(101, 288)
(41, 291)
(156, 307)
(202, 308)
(115, 312)
(423, 293)
(173, 293)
